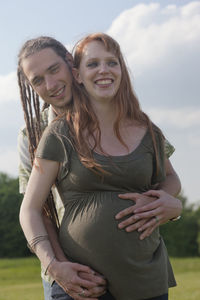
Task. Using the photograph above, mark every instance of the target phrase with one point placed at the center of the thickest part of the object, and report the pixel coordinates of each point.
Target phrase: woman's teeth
(104, 81)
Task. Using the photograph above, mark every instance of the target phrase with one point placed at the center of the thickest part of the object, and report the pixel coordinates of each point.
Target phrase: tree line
(182, 237)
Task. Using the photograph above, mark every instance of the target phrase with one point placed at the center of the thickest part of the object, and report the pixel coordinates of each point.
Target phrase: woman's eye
(112, 63)
(92, 64)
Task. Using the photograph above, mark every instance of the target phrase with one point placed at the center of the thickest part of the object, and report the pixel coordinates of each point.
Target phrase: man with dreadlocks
(49, 76)
(54, 64)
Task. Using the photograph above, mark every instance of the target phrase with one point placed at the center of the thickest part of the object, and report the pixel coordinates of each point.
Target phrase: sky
(160, 41)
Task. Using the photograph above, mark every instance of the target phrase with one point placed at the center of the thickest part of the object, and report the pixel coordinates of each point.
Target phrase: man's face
(50, 77)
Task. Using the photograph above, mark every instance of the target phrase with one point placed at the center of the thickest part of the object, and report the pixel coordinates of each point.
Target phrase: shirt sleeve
(50, 146)
(169, 148)
(54, 145)
(24, 167)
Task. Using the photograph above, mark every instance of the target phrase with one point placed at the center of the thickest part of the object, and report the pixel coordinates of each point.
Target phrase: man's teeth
(104, 81)
(59, 92)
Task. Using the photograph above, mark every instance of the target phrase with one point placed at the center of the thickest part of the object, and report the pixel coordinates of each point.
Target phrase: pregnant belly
(89, 235)
(89, 232)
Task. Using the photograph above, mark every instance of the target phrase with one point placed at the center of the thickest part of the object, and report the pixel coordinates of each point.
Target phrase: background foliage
(182, 238)
(12, 241)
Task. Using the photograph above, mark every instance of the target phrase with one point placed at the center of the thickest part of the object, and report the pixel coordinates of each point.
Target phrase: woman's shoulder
(52, 143)
(156, 129)
(58, 126)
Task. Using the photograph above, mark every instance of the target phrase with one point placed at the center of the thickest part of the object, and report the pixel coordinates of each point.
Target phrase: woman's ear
(76, 75)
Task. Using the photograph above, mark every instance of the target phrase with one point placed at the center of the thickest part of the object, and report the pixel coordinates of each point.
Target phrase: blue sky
(161, 44)
(67, 20)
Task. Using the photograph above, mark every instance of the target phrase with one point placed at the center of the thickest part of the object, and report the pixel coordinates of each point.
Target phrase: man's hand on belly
(135, 221)
(100, 281)
(77, 280)
(151, 210)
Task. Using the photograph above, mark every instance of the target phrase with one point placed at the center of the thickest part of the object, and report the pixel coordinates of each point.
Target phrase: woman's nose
(103, 68)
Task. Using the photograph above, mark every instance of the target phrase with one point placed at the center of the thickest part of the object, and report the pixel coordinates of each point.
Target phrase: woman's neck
(106, 113)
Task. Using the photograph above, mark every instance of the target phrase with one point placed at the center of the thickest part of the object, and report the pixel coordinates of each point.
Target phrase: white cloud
(148, 33)
(194, 140)
(70, 46)
(162, 46)
(8, 161)
(8, 87)
(180, 118)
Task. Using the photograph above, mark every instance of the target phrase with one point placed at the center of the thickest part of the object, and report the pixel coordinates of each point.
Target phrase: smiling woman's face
(99, 72)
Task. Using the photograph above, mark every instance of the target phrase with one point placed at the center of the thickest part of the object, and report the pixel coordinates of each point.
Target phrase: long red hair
(82, 118)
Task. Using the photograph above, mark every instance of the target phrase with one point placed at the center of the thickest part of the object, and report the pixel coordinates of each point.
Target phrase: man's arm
(53, 237)
(160, 203)
(25, 166)
(172, 184)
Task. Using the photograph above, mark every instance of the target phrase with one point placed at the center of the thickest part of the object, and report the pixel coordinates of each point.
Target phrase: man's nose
(50, 83)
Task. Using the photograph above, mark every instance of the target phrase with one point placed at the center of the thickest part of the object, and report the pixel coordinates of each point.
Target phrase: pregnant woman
(102, 147)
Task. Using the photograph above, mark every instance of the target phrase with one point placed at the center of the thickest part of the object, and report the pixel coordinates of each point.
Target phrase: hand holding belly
(77, 280)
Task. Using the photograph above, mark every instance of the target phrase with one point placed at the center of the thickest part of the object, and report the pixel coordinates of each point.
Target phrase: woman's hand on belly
(77, 280)
(135, 222)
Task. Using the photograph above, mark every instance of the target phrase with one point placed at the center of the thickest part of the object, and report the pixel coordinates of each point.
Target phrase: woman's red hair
(82, 118)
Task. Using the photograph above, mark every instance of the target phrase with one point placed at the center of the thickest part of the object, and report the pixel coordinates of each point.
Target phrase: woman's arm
(66, 274)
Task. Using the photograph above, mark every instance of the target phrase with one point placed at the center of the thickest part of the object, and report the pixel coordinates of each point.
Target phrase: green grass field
(20, 279)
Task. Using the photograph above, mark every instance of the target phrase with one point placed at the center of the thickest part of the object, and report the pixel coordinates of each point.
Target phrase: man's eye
(54, 70)
(37, 81)
(92, 64)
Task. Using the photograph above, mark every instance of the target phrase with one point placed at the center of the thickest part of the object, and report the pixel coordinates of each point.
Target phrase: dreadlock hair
(82, 118)
(31, 103)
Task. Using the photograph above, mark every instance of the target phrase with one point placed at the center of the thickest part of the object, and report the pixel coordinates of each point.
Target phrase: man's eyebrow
(48, 69)
(53, 66)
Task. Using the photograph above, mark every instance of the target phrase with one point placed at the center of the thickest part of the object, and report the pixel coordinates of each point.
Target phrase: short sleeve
(50, 147)
(169, 148)
(55, 145)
